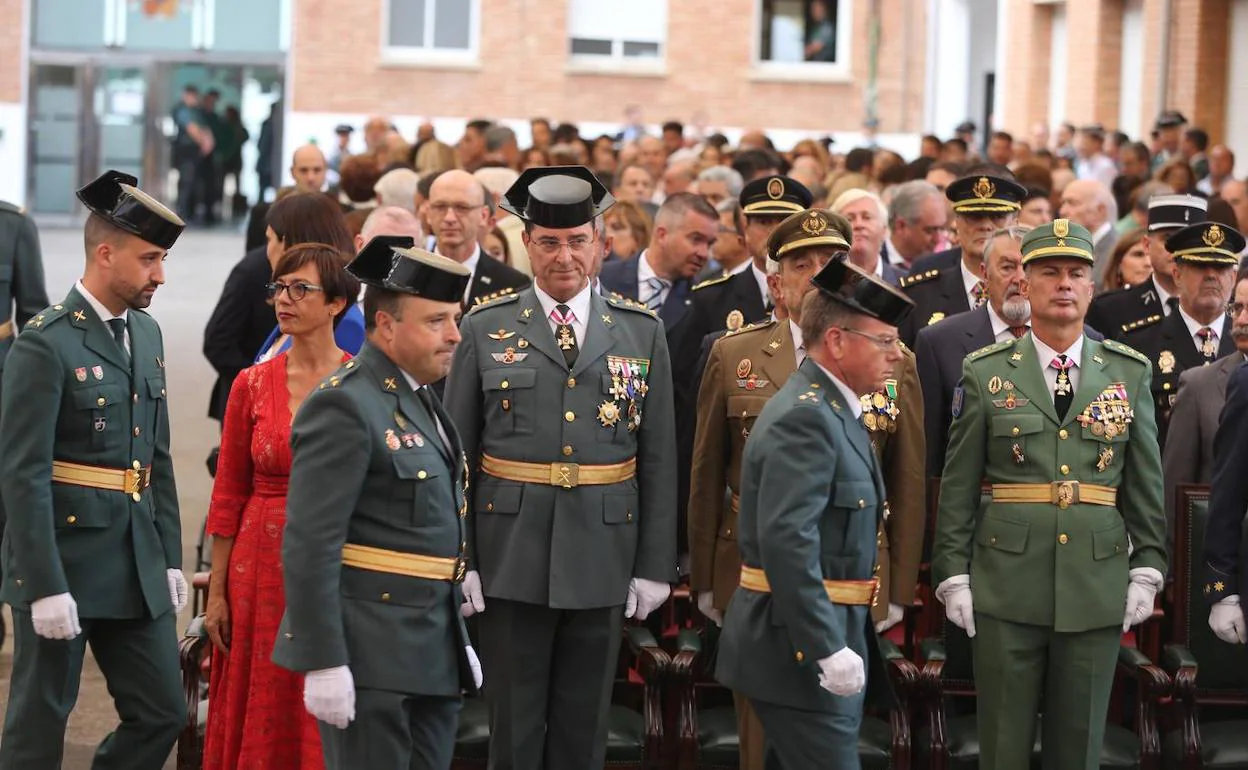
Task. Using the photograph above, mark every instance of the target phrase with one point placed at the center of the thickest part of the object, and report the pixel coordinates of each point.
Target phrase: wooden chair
(1210, 676)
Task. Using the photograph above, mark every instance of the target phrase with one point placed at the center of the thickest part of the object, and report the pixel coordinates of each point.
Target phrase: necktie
(657, 286)
(801, 354)
(1208, 343)
(1172, 305)
(1018, 331)
(1063, 391)
(563, 317)
(426, 397)
(118, 326)
(981, 294)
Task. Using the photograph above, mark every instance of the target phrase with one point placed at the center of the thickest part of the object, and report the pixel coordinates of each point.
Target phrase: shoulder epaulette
(495, 299)
(993, 348)
(1126, 350)
(713, 281)
(46, 317)
(340, 375)
(767, 324)
(917, 278)
(619, 300)
(1143, 322)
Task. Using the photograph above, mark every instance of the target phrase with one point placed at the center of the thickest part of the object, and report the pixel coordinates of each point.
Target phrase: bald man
(307, 167)
(1090, 203)
(457, 214)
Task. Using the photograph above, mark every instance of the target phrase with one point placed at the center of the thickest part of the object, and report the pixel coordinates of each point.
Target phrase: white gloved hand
(55, 617)
(177, 590)
(644, 597)
(955, 594)
(329, 695)
(474, 663)
(895, 614)
(1143, 588)
(843, 673)
(474, 599)
(1226, 618)
(706, 605)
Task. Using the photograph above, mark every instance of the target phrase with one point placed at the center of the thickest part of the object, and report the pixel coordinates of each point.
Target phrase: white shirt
(1098, 167)
(579, 305)
(1102, 231)
(1000, 329)
(741, 268)
(471, 264)
(104, 313)
(851, 398)
(798, 348)
(969, 282)
(1163, 295)
(1194, 326)
(894, 256)
(645, 271)
(1046, 354)
(761, 277)
(446, 441)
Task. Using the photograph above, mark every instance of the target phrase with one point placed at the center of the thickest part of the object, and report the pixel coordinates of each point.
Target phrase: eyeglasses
(1235, 308)
(886, 343)
(461, 210)
(296, 291)
(577, 245)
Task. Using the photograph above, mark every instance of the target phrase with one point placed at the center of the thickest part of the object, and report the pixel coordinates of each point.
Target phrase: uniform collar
(851, 398)
(578, 304)
(104, 313)
(1046, 354)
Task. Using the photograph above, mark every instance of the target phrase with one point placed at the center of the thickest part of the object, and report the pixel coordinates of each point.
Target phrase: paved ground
(194, 273)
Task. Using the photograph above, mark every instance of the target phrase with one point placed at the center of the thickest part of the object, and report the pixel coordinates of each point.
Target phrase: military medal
(418, 439)
(1208, 348)
(80, 374)
(392, 440)
(1063, 384)
(1019, 457)
(1111, 429)
(408, 441)
(97, 372)
(1104, 459)
(994, 385)
(1098, 429)
(734, 321)
(501, 334)
(566, 340)
(608, 414)
(399, 421)
(634, 417)
(869, 420)
(1165, 362)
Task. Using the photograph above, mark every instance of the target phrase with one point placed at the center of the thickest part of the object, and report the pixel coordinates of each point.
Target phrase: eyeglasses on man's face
(461, 210)
(886, 343)
(1233, 309)
(296, 291)
(577, 245)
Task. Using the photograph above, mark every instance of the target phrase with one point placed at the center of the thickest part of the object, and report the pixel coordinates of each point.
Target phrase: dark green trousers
(1017, 668)
(139, 659)
(394, 730)
(798, 740)
(548, 680)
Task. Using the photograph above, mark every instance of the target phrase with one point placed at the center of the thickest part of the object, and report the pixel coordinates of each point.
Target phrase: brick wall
(522, 69)
(12, 33)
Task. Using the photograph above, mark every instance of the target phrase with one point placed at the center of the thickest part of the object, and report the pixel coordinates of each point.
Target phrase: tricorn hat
(557, 197)
(390, 262)
(863, 292)
(116, 197)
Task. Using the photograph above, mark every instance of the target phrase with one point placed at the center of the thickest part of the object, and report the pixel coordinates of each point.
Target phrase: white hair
(397, 188)
(856, 194)
(496, 179)
(392, 220)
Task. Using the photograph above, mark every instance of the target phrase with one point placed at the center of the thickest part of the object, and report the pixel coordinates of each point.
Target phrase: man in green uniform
(373, 553)
(564, 399)
(93, 546)
(1062, 428)
(798, 639)
(22, 292)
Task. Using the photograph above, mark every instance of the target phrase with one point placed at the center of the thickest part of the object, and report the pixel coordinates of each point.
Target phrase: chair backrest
(1223, 667)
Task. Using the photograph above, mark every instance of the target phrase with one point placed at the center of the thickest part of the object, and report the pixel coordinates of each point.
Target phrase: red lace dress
(256, 717)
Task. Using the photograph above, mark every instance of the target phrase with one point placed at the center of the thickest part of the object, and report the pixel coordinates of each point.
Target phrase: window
(431, 29)
(803, 34)
(633, 30)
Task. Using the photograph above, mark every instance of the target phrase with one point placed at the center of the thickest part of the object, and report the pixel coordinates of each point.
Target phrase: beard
(1016, 310)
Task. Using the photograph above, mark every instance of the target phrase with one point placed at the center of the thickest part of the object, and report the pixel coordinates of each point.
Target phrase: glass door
(119, 111)
(55, 147)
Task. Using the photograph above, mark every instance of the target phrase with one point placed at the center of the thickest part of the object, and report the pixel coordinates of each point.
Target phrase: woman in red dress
(256, 718)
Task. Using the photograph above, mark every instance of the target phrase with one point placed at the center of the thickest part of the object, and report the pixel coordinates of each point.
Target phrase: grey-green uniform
(88, 482)
(573, 491)
(1048, 557)
(372, 553)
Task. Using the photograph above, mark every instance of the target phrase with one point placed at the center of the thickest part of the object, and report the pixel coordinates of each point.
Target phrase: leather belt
(1063, 494)
(566, 475)
(857, 592)
(132, 481)
(6, 330)
(401, 563)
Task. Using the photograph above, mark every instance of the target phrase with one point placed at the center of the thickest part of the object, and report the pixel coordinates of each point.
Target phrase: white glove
(842, 673)
(955, 593)
(644, 597)
(474, 599)
(474, 663)
(1143, 588)
(55, 617)
(329, 695)
(177, 590)
(706, 605)
(895, 614)
(1226, 618)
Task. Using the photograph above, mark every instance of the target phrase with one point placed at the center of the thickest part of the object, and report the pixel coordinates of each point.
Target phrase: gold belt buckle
(566, 475)
(1064, 494)
(137, 479)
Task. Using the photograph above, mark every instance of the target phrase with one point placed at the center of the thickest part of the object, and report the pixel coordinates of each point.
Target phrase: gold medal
(869, 419)
(1098, 429)
(1104, 459)
(878, 400)
(994, 385)
(1165, 362)
(608, 414)
(1111, 429)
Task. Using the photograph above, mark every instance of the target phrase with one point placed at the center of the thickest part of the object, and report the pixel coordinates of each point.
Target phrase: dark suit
(935, 299)
(1110, 313)
(491, 277)
(892, 273)
(355, 482)
(1169, 342)
(239, 325)
(939, 260)
(1224, 571)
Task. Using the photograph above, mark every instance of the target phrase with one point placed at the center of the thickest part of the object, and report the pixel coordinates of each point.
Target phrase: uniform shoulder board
(10, 207)
(767, 324)
(917, 278)
(713, 281)
(988, 349)
(1127, 351)
(495, 299)
(46, 317)
(340, 376)
(618, 300)
(1142, 323)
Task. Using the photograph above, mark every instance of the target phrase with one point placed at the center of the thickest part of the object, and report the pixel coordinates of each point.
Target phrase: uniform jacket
(1037, 563)
(1228, 497)
(936, 296)
(22, 293)
(1169, 345)
(71, 394)
(571, 548)
(1113, 311)
(939, 260)
(728, 406)
(371, 469)
(812, 499)
(492, 277)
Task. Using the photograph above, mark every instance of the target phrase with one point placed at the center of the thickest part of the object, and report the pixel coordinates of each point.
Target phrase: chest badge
(509, 356)
(97, 372)
(1019, 457)
(392, 440)
(1104, 459)
(608, 414)
(501, 334)
(100, 424)
(1165, 362)
(80, 374)
(744, 367)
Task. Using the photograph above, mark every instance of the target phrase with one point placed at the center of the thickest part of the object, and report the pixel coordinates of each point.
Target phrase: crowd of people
(435, 372)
